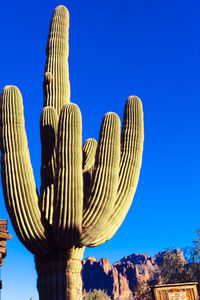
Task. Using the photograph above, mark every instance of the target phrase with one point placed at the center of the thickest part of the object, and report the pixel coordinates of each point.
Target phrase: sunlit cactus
(85, 192)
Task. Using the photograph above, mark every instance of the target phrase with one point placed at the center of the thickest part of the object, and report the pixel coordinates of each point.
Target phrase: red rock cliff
(119, 279)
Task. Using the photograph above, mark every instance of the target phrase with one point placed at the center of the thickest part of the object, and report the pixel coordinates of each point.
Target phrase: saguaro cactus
(85, 191)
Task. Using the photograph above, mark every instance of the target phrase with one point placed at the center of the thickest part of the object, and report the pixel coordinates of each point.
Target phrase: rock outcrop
(119, 279)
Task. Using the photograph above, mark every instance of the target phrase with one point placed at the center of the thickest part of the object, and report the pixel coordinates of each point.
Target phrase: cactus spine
(85, 191)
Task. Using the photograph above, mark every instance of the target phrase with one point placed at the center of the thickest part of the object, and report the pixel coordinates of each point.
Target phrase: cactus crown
(85, 191)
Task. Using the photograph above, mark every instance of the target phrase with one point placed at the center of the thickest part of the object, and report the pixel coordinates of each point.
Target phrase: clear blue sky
(117, 48)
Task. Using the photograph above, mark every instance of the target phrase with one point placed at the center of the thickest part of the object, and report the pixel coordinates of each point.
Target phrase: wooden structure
(4, 236)
(179, 291)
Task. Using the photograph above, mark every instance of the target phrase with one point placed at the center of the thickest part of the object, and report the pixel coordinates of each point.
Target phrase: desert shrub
(96, 295)
(142, 292)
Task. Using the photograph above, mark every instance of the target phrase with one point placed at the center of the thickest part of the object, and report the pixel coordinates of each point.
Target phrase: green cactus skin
(17, 175)
(85, 192)
(59, 274)
(56, 77)
(48, 131)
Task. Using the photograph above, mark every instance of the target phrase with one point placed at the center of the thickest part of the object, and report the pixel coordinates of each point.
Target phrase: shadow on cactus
(85, 191)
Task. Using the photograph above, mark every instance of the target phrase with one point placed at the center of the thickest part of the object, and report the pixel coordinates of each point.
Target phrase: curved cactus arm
(17, 174)
(56, 78)
(103, 191)
(67, 218)
(131, 160)
(89, 153)
(48, 133)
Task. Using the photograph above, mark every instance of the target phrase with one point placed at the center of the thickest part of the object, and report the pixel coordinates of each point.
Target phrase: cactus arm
(131, 159)
(56, 84)
(89, 153)
(105, 182)
(48, 133)
(17, 174)
(132, 149)
(69, 180)
(46, 201)
(48, 130)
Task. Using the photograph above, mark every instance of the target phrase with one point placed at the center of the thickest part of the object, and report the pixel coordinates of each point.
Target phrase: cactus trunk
(59, 275)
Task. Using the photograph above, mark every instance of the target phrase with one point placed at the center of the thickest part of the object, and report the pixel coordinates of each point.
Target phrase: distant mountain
(119, 279)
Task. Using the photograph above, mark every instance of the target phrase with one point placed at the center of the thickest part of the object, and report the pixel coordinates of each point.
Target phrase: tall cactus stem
(56, 77)
(59, 276)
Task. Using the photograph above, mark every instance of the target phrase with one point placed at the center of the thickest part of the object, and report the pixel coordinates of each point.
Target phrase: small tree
(172, 267)
(194, 260)
(195, 252)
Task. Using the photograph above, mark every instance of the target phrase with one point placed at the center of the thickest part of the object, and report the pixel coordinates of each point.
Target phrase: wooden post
(4, 236)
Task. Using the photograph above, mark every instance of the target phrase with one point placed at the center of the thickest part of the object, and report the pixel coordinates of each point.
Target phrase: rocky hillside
(119, 279)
